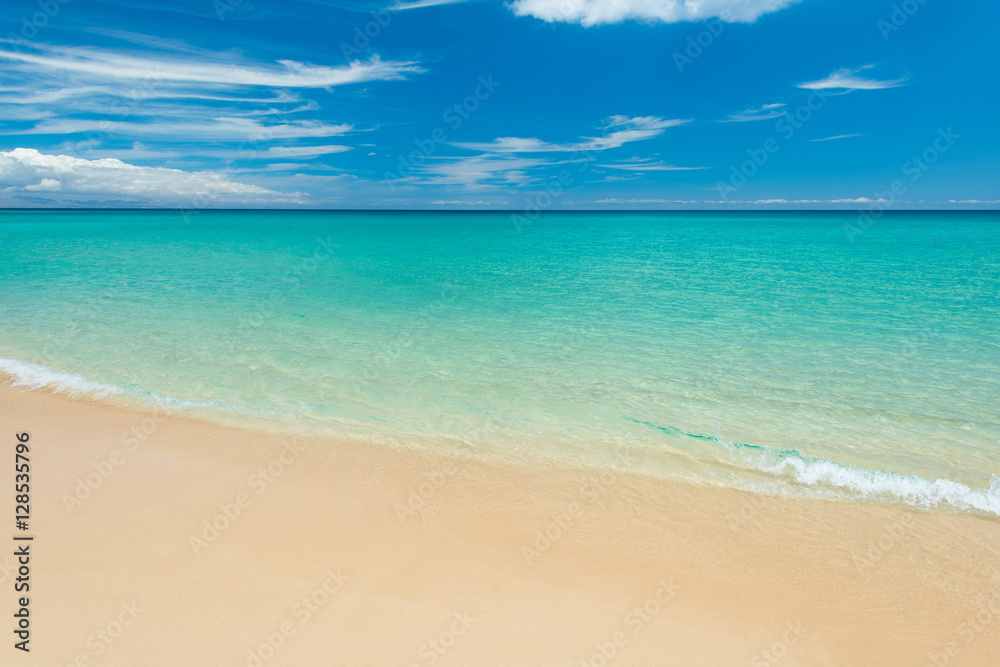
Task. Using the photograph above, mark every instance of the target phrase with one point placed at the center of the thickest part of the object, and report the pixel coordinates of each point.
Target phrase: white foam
(34, 376)
(875, 484)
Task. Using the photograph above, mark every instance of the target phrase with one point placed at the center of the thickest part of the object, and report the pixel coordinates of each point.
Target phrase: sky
(525, 105)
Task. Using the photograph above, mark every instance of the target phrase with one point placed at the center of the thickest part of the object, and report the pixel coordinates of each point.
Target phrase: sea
(801, 353)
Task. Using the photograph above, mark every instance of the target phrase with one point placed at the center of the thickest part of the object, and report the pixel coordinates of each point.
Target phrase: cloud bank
(25, 170)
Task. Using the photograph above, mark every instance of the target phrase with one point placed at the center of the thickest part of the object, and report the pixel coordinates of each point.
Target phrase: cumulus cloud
(45, 185)
(618, 130)
(27, 170)
(597, 12)
(848, 79)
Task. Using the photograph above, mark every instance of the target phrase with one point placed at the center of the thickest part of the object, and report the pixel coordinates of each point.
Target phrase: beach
(325, 438)
(442, 333)
(162, 540)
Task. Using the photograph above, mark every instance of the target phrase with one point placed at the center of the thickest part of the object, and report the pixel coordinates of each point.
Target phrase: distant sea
(770, 351)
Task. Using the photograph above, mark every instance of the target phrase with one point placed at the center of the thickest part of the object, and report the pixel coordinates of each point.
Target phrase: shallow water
(764, 350)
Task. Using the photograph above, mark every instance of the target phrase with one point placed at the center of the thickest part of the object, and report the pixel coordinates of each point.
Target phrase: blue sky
(562, 104)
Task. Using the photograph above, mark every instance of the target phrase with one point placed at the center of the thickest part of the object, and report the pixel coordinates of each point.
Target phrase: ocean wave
(853, 482)
(34, 376)
(882, 484)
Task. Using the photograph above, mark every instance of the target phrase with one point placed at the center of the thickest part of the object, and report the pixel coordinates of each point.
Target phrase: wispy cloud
(835, 137)
(138, 151)
(622, 177)
(848, 79)
(420, 4)
(475, 171)
(480, 202)
(108, 65)
(614, 200)
(618, 130)
(217, 129)
(646, 164)
(180, 101)
(501, 162)
(597, 12)
(782, 201)
(844, 203)
(304, 151)
(32, 95)
(764, 112)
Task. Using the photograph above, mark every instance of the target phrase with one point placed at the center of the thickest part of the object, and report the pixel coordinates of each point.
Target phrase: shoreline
(816, 478)
(225, 546)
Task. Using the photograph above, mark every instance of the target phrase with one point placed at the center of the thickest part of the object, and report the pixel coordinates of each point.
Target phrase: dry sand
(345, 554)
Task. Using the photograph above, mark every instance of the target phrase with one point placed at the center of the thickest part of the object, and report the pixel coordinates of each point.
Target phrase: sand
(161, 540)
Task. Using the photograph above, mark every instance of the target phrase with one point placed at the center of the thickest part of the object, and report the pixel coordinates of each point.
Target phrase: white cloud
(498, 164)
(282, 166)
(632, 201)
(420, 4)
(512, 145)
(480, 202)
(618, 130)
(755, 202)
(835, 137)
(48, 93)
(858, 200)
(27, 170)
(181, 101)
(216, 129)
(26, 95)
(597, 12)
(646, 164)
(974, 201)
(764, 112)
(138, 151)
(479, 170)
(109, 66)
(848, 79)
(45, 185)
(302, 151)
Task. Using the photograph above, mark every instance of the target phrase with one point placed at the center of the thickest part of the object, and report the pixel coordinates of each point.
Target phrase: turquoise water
(760, 350)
